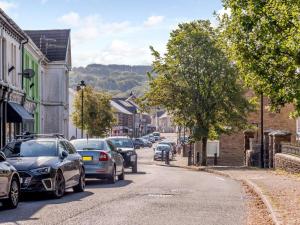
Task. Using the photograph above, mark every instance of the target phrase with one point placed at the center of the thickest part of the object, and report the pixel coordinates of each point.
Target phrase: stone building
(231, 149)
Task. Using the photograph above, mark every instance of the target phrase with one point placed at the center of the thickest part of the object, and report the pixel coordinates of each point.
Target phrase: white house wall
(55, 99)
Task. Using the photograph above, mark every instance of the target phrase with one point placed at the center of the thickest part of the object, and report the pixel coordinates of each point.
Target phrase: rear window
(31, 148)
(122, 142)
(162, 147)
(89, 145)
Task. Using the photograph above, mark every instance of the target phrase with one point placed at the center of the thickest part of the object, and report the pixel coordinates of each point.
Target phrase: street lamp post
(81, 87)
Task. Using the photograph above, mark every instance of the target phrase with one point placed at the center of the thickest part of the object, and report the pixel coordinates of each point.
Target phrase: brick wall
(232, 146)
(289, 163)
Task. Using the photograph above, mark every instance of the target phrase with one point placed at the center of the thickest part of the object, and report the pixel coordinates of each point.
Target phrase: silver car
(9, 184)
(101, 159)
(161, 151)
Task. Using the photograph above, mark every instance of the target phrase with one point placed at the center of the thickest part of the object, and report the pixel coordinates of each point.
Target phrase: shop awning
(18, 114)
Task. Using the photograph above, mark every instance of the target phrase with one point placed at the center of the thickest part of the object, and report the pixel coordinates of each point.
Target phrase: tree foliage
(197, 83)
(97, 112)
(263, 39)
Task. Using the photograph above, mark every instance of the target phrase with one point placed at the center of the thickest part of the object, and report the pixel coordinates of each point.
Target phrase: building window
(12, 75)
(4, 66)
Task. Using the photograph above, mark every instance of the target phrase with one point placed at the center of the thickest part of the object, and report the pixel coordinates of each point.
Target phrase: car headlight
(43, 170)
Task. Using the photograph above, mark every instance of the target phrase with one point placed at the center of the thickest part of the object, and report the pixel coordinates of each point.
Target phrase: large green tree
(97, 112)
(197, 83)
(263, 39)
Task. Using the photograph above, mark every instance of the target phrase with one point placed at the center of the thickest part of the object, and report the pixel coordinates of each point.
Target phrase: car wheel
(81, 184)
(60, 185)
(112, 178)
(122, 175)
(14, 194)
(134, 167)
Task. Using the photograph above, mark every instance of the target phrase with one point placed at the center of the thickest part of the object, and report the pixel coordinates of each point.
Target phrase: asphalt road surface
(157, 195)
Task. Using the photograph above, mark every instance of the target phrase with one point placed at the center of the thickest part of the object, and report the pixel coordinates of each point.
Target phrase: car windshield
(89, 144)
(122, 142)
(162, 147)
(31, 148)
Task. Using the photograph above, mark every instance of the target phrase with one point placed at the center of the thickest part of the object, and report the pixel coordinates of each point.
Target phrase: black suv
(127, 150)
(46, 163)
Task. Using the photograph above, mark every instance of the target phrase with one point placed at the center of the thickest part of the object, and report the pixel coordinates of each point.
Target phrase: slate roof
(53, 43)
(126, 104)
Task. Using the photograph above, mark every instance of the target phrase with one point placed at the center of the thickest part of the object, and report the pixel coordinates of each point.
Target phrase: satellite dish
(28, 73)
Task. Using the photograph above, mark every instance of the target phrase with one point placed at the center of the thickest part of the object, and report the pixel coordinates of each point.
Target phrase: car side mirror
(64, 154)
(2, 157)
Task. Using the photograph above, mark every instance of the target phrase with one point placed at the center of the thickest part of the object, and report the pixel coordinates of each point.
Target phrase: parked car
(127, 150)
(46, 163)
(151, 138)
(156, 136)
(162, 150)
(171, 143)
(147, 143)
(101, 159)
(9, 184)
(138, 143)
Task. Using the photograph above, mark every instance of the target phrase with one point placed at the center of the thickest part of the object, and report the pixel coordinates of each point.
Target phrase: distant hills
(119, 80)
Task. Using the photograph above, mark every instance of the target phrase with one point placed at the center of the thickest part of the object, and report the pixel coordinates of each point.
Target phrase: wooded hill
(119, 80)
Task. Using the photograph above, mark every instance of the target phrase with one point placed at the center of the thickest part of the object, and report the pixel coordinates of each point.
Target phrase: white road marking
(219, 178)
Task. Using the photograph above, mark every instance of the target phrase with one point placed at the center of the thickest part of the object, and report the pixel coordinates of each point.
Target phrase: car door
(4, 178)
(66, 165)
(75, 160)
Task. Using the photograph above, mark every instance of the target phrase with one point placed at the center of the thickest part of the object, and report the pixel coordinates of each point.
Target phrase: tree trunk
(204, 152)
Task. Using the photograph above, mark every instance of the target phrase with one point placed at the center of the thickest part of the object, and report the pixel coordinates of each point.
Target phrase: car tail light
(103, 156)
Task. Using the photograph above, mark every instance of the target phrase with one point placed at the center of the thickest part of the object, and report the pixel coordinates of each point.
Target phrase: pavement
(155, 195)
(280, 191)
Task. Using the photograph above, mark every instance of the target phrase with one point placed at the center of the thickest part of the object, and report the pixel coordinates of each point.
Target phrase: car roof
(163, 145)
(117, 137)
(90, 139)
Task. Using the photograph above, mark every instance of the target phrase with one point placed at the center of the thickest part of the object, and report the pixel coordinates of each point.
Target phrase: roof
(126, 104)
(53, 43)
(12, 25)
(120, 108)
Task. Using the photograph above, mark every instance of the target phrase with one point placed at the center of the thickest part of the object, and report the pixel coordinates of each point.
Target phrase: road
(156, 195)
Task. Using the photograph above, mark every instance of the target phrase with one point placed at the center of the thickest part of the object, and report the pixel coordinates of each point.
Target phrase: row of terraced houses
(34, 68)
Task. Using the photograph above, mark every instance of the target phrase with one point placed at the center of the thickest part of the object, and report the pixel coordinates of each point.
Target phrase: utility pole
(262, 130)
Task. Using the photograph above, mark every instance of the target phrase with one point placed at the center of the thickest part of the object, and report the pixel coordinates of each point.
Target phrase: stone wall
(232, 146)
(289, 163)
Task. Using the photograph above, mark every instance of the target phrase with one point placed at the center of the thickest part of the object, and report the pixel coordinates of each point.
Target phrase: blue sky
(110, 31)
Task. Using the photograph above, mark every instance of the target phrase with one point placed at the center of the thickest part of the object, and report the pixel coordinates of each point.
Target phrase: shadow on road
(95, 183)
(138, 173)
(35, 202)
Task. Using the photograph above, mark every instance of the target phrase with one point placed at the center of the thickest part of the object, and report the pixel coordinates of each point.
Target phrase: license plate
(132, 158)
(87, 158)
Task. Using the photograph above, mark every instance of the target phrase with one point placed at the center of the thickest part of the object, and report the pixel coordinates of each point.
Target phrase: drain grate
(160, 195)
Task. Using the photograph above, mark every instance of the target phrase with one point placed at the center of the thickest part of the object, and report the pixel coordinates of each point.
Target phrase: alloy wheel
(14, 193)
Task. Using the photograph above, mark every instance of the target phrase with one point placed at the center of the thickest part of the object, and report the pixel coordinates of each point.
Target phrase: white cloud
(91, 27)
(153, 21)
(223, 12)
(117, 52)
(7, 5)
(70, 19)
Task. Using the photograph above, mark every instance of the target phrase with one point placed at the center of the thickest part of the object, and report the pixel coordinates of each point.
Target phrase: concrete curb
(245, 181)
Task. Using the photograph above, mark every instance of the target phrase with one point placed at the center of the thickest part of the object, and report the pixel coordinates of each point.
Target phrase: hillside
(119, 80)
